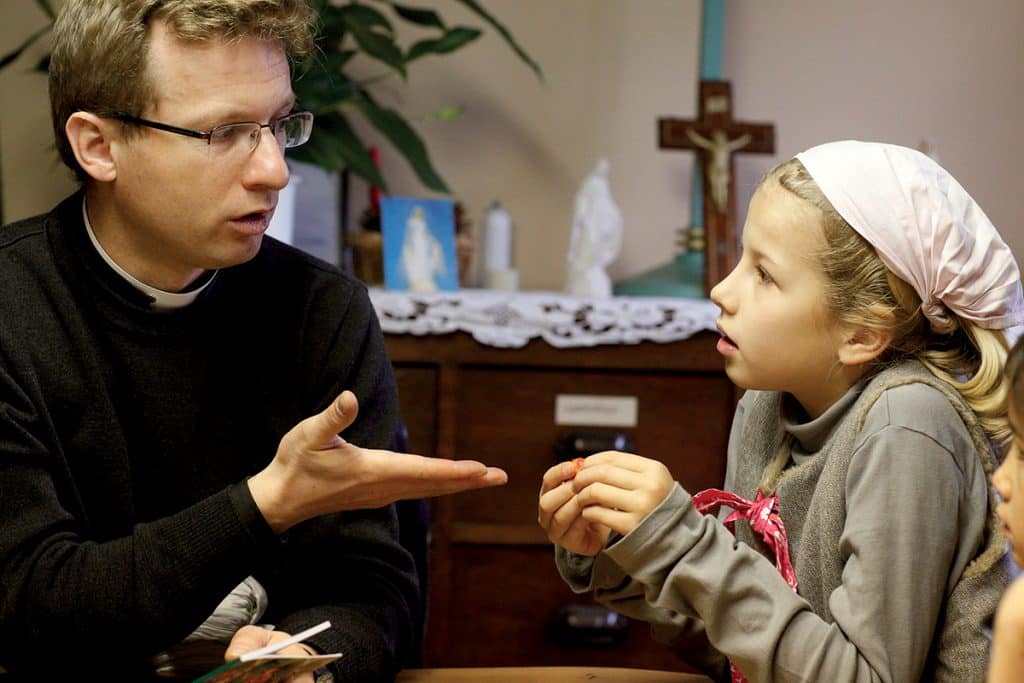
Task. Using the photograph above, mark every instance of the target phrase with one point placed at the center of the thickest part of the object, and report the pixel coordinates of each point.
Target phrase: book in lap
(265, 665)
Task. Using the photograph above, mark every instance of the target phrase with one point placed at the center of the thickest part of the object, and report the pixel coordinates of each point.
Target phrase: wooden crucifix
(716, 137)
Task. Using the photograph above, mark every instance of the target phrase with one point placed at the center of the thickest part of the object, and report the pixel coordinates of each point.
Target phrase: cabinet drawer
(417, 396)
(502, 602)
(506, 418)
(493, 585)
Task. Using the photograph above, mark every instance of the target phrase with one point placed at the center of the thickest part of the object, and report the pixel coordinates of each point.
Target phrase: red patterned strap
(763, 516)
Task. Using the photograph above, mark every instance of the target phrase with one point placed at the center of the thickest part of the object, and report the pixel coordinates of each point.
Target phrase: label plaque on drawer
(595, 411)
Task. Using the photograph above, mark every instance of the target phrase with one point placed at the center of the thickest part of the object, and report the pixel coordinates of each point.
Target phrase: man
(160, 361)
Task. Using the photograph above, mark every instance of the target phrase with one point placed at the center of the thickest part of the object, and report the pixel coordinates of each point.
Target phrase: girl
(1008, 641)
(865, 319)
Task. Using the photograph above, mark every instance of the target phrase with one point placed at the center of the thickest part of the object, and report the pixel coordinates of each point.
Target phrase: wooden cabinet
(493, 582)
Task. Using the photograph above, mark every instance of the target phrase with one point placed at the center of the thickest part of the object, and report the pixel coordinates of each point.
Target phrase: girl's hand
(617, 490)
(560, 514)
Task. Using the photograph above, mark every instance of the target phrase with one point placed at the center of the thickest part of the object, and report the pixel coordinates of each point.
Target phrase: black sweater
(126, 435)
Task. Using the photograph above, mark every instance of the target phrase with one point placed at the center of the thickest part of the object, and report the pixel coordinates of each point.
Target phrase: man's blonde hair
(101, 46)
(864, 293)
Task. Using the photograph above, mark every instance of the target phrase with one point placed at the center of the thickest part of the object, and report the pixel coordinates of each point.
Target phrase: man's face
(177, 208)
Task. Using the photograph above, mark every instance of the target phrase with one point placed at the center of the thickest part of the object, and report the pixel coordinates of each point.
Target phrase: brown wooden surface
(493, 582)
(721, 246)
(545, 675)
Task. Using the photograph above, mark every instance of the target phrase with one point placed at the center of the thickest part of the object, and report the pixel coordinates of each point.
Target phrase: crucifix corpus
(716, 137)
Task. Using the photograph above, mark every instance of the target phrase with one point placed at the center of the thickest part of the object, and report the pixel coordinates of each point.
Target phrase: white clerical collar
(162, 300)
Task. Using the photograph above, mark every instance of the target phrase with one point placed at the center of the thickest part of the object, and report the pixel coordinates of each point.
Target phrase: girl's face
(1008, 480)
(777, 333)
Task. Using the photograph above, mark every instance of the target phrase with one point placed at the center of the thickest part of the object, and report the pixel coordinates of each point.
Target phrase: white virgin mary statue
(596, 237)
(422, 256)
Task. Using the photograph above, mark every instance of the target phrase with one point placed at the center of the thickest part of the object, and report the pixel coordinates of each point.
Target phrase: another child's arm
(1007, 662)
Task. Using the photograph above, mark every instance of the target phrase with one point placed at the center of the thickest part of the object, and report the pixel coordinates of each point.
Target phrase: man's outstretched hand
(316, 472)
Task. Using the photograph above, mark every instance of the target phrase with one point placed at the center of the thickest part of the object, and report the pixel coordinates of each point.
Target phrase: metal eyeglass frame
(208, 135)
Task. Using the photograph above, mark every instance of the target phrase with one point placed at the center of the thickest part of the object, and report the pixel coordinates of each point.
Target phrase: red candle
(375, 191)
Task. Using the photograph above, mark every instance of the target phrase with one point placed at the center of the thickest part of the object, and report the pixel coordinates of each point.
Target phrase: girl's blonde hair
(100, 49)
(864, 293)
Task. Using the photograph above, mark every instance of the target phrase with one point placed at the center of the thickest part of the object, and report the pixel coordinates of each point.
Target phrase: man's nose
(266, 167)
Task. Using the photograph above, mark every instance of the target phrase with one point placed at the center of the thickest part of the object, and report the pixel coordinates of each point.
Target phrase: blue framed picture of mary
(419, 244)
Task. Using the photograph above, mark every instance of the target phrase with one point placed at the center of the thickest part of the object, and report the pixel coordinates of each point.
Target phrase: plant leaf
(362, 22)
(366, 17)
(330, 28)
(449, 112)
(405, 140)
(47, 10)
(418, 15)
(337, 147)
(480, 11)
(449, 42)
(320, 85)
(12, 56)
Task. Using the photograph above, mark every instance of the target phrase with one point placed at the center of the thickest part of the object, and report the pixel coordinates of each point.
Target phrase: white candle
(497, 239)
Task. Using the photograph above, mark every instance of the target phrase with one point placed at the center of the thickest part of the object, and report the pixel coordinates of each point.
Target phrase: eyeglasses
(240, 138)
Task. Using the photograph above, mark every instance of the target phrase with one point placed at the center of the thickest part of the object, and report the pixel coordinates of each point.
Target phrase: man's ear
(860, 345)
(90, 137)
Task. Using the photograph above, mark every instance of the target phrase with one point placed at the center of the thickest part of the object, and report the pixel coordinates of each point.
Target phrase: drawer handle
(581, 443)
(587, 626)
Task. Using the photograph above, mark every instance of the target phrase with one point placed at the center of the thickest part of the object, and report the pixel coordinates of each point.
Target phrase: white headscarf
(926, 229)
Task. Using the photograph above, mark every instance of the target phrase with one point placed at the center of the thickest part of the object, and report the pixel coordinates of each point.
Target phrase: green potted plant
(323, 83)
(324, 86)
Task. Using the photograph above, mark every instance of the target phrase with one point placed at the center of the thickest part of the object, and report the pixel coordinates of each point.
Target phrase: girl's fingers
(561, 472)
(604, 495)
(612, 475)
(565, 521)
(551, 502)
(627, 461)
(617, 520)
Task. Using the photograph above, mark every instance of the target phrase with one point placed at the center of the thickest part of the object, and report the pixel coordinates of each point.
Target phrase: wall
(891, 71)
(611, 68)
(897, 72)
(32, 177)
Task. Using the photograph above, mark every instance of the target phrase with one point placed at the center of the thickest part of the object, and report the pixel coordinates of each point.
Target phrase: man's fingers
(322, 429)
(443, 488)
(391, 465)
(247, 638)
(418, 476)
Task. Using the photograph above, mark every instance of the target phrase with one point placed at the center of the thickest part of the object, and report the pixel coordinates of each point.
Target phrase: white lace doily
(511, 319)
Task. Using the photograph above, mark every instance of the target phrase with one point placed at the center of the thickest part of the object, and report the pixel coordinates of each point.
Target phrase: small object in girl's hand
(577, 464)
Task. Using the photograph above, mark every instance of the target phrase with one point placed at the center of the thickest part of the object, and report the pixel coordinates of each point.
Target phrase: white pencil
(297, 638)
